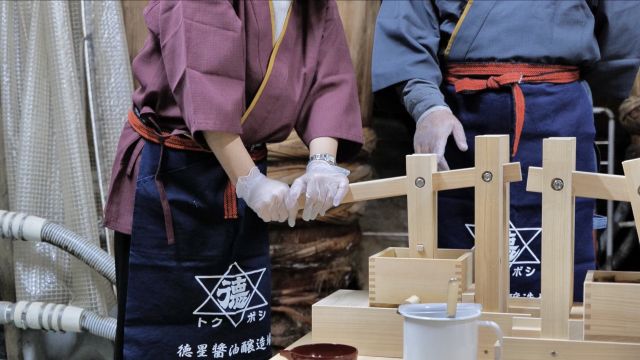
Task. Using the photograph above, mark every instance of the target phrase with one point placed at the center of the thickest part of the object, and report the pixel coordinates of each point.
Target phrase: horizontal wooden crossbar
(586, 184)
(445, 180)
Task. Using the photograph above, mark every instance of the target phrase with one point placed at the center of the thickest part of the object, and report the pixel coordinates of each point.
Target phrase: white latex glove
(432, 131)
(325, 185)
(263, 195)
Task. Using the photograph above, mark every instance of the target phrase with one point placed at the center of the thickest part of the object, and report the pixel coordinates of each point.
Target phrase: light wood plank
(540, 349)
(585, 184)
(491, 250)
(397, 186)
(559, 158)
(422, 205)
(531, 327)
(465, 178)
(632, 175)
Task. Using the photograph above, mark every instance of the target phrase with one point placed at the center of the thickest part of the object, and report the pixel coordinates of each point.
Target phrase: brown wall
(134, 24)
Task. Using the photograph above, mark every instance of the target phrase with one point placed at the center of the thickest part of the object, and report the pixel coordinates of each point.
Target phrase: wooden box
(394, 276)
(612, 306)
(345, 317)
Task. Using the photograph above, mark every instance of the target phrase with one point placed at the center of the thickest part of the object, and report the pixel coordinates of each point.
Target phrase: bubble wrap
(47, 140)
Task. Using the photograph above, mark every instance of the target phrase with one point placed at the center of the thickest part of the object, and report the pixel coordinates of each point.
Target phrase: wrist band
(324, 157)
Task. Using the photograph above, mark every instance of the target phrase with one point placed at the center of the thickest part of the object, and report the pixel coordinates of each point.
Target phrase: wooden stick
(632, 175)
(452, 298)
(559, 159)
(371, 190)
(413, 299)
(376, 189)
(422, 204)
(491, 253)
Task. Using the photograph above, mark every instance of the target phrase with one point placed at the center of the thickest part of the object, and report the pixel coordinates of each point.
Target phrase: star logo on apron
(231, 294)
(520, 240)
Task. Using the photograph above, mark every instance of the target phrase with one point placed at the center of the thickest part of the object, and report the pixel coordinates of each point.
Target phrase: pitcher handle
(498, 331)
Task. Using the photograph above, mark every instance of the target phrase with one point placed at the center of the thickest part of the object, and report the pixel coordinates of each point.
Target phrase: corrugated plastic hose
(76, 245)
(99, 325)
(21, 226)
(56, 317)
(49, 316)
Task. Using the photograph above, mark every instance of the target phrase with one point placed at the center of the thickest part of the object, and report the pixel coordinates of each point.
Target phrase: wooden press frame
(547, 328)
(490, 178)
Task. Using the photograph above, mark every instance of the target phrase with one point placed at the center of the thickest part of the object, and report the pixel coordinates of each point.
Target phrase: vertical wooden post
(491, 223)
(422, 204)
(558, 163)
(632, 176)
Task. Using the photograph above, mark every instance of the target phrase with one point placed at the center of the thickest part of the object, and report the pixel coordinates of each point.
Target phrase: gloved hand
(325, 185)
(263, 195)
(433, 130)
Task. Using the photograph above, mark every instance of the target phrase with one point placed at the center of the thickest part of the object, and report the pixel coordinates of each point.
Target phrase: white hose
(99, 325)
(56, 317)
(21, 226)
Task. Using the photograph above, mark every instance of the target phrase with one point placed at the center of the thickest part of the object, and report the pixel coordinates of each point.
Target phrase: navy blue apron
(207, 295)
(552, 110)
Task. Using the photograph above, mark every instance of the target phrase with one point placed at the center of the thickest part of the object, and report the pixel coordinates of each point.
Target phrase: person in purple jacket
(189, 200)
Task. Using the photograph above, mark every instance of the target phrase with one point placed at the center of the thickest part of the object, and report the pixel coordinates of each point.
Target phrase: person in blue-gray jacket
(523, 68)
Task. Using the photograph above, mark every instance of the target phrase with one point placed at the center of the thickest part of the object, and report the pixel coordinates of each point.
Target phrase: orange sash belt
(471, 77)
(182, 140)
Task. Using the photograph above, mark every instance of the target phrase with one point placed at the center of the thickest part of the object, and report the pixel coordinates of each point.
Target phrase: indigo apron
(207, 294)
(552, 110)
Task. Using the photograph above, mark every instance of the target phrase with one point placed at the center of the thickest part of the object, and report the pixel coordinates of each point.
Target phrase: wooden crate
(394, 276)
(612, 306)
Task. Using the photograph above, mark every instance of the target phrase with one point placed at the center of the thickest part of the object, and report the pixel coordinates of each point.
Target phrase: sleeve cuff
(421, 96)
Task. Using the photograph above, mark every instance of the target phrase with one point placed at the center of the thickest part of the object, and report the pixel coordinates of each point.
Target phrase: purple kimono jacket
(213, 66)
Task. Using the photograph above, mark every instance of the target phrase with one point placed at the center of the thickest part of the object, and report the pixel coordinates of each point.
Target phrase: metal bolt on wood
(557, 184)
(420, 248)
(554, 354)
(487, 176)
(420, 182)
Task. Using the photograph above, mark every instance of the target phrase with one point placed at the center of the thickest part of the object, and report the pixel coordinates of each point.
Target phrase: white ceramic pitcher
(430, 334)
